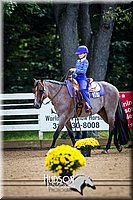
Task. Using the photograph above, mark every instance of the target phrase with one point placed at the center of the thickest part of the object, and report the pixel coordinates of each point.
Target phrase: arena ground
(23, 175)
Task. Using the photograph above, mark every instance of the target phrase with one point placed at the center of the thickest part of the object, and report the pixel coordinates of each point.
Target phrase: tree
(34, 42)
(67, 21)
(101, 43)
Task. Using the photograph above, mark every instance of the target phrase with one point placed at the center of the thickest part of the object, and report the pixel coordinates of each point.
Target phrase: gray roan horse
(109, 107)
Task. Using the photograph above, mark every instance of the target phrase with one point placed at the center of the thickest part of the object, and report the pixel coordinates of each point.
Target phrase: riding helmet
(82, 49)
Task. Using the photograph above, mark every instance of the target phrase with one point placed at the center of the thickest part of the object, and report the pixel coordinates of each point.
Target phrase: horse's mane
(56, 82)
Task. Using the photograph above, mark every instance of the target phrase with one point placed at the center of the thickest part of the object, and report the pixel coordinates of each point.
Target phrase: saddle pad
(96, 94)
(93, 94)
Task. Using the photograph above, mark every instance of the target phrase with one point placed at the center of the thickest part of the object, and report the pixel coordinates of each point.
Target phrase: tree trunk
(100, 45)
(66, 18)
(84, 24)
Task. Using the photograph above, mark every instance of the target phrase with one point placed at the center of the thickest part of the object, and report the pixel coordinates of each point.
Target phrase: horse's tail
(121, 124)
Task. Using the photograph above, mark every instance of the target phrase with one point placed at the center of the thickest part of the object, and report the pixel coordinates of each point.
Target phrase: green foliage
(31, 46)
(9, 8)
(120, 70)
(120, 63)
(119, 14)
(122, 16)
(32, 49)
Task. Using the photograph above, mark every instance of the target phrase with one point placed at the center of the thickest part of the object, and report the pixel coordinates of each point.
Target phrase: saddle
(93, 87)
(79, 101)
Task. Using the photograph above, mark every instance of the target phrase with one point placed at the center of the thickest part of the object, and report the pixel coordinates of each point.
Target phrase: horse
(108, 106)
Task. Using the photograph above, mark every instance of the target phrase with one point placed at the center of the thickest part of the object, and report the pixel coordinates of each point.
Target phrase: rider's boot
(87, 108)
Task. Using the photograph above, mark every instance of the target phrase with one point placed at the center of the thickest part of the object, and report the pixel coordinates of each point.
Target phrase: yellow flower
(60, 171)
(59, 167)
(64, 157)
(86, 143)
(56, 162)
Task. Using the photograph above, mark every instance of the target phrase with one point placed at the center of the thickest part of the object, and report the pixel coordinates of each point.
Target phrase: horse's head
(89, 183)
(40, 92)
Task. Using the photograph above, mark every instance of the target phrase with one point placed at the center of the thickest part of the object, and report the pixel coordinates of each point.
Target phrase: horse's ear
(34, 79)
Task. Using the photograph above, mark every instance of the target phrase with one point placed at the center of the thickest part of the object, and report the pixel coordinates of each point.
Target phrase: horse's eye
(41, 91)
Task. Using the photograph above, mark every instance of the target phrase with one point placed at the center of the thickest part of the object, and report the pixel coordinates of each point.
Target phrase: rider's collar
(83, 59)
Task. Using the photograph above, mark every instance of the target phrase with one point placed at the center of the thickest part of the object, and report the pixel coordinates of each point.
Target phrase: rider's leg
(83, 83)
(86, 98)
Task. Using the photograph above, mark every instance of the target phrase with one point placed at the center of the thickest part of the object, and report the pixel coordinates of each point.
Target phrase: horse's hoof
(119, 149)
(104, 151)
(48, 151)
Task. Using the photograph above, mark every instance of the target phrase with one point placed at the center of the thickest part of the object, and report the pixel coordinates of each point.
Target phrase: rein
(54, 95)
(64, 76)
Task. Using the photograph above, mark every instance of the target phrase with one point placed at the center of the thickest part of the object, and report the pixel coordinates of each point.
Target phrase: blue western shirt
(81, 67)
(80, 76)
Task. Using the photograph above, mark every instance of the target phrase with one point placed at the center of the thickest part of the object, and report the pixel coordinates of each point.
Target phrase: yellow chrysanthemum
(64, 157)
(86, 143)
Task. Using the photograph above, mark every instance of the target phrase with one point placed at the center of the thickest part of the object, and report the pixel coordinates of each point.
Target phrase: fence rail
(17, 113)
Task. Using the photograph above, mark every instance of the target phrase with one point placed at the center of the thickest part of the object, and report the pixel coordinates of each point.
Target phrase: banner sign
(49, 121)
(127, 100)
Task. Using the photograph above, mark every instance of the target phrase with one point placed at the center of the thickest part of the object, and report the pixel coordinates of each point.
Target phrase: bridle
(44, 90)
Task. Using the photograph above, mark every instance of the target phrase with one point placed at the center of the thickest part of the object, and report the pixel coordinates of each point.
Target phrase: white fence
(17, 114)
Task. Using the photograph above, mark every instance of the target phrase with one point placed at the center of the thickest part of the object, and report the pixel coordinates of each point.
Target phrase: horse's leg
(62, 120)
(108, 142)
(111, 133)
(55, 136)
(116, 142)
(69, 128)
(113, 130)
(104, 116)
(110, 120)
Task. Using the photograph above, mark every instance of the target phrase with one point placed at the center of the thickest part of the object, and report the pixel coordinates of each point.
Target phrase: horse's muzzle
(37, 105)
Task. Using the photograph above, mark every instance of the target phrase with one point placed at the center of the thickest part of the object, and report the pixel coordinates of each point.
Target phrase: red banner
(127, 100)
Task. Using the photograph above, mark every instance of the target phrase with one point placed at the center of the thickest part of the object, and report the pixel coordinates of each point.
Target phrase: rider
(79, 73)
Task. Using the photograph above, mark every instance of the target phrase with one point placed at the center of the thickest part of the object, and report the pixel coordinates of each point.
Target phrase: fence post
(39, 122)
(40, 135)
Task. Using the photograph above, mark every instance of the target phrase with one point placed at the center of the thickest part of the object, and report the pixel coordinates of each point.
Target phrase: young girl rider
(79, 73)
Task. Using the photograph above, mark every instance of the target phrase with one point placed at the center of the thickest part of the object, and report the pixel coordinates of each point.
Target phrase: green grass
(33, 135)
(20, 135)
(26, 135)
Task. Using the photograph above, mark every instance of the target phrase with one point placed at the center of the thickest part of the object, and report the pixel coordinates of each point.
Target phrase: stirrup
(88, 109)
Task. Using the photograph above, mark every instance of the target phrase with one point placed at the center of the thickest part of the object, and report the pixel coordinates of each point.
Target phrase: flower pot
(86, 153)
